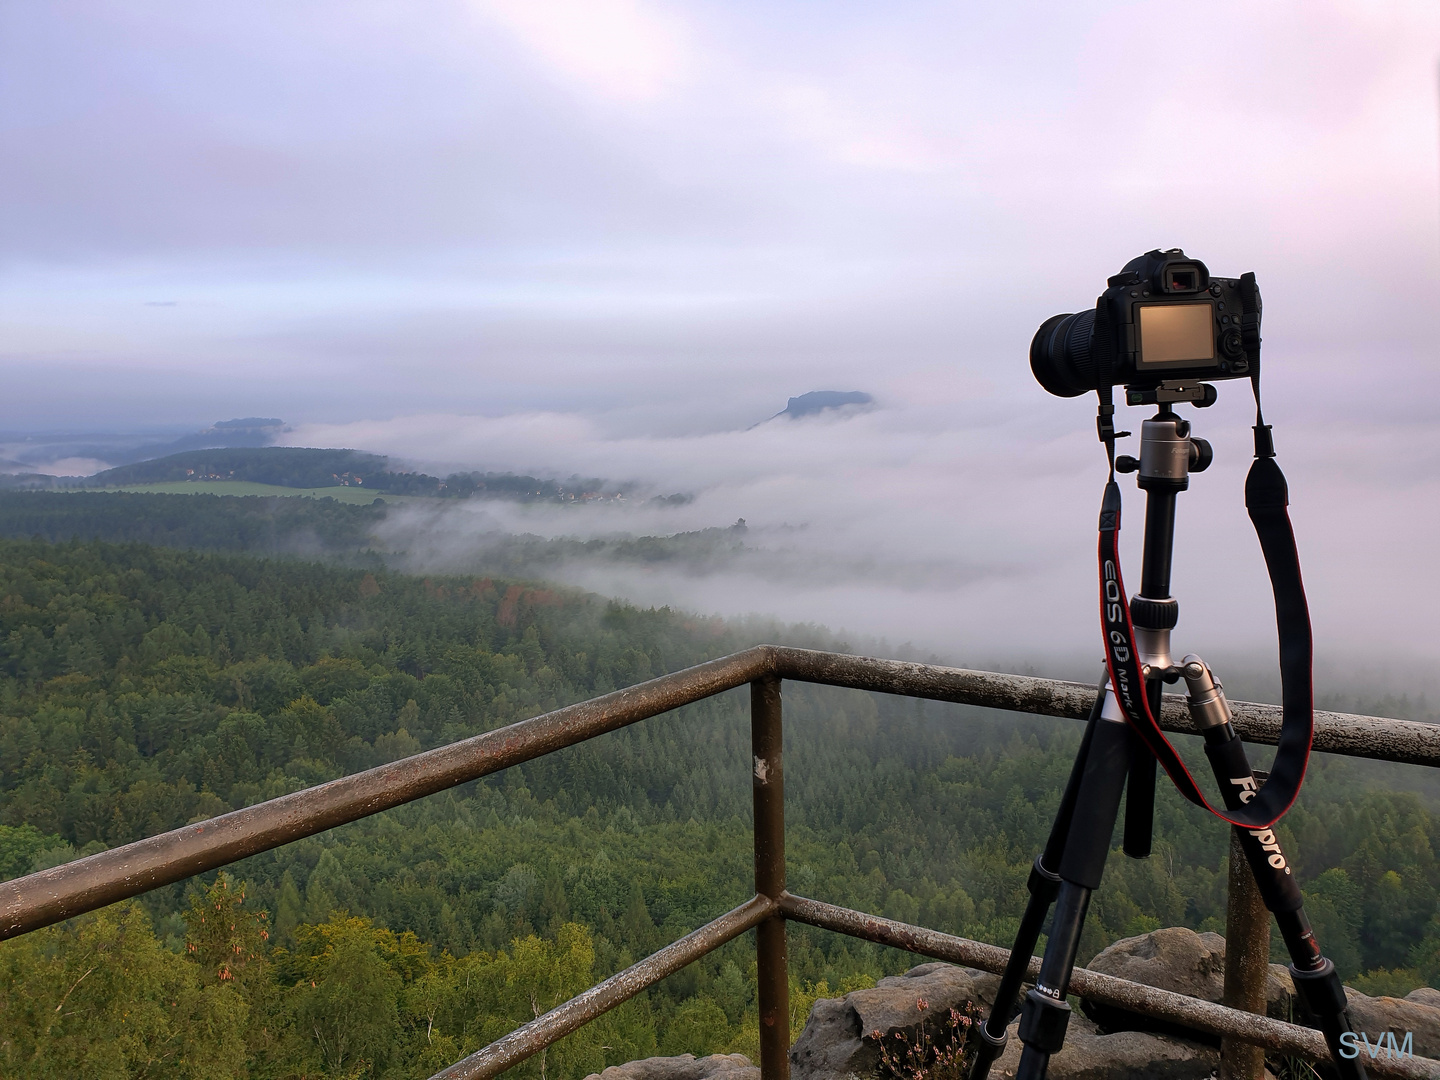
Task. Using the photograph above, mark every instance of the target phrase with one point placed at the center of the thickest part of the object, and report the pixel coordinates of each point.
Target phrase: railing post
(1247, 963)
(768, 781)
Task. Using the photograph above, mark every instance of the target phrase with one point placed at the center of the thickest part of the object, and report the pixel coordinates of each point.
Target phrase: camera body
(1162, 318)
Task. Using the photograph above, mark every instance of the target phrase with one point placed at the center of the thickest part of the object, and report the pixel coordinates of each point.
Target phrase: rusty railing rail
(62, 892)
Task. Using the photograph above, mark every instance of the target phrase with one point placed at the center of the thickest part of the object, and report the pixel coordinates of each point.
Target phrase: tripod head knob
(1201, 454)
(1125, 463)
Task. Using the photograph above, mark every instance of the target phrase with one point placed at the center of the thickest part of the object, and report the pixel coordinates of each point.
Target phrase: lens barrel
(1061, 357)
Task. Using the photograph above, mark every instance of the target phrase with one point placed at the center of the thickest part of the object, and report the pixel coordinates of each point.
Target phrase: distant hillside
(307, 467)
(251, 431)
(36, 453)
(287, 466)
(819, 400)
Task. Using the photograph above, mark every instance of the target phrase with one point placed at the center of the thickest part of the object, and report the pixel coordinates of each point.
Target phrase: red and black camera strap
(1266, 499)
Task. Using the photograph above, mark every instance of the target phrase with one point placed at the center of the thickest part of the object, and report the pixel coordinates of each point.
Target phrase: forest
(323, 528)
(143, 687)
(317, 528)
(311, 467)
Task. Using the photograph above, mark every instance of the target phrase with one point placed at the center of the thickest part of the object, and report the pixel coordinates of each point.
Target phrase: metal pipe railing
(1261, 1031)
(1405, 741)
(767, 780)
(53, 895)
(50, 896)
(554, 1025)
(29, 903)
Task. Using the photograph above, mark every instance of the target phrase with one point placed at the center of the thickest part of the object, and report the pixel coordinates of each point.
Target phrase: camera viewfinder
(1181, 279)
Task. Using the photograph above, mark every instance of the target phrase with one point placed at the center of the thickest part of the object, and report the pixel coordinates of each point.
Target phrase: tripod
(1068, 871)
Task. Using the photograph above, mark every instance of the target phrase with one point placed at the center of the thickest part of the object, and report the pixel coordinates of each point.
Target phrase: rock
(1189, 963)
(1425, 995)
(1171, 959)
(1181, 961)
(1376, 1015)
(1089, 1054)
(684, 1067)
(836, 1041)
(819, 400)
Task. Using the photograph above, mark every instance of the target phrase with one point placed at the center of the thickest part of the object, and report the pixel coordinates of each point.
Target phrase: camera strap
(1266, 499)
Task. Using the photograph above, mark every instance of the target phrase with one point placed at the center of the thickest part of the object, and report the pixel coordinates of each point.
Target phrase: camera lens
(1060, 355)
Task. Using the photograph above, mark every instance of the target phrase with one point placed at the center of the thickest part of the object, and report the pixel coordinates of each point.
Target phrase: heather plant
(943, 1056)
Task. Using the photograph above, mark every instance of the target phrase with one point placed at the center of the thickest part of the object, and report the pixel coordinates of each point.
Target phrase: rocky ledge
(1189, 963)
(842, 1037)
(839, 1039)
(684, 1067)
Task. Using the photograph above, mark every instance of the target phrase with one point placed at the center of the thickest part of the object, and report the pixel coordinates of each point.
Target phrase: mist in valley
(973, 543)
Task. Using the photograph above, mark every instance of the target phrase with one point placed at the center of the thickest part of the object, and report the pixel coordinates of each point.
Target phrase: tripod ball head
(1201, 455)
(1168, 453)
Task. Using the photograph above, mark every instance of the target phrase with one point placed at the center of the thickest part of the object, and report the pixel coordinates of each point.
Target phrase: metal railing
(51, 896)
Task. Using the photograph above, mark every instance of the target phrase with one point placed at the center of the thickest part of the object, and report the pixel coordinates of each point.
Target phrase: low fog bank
(965, 532)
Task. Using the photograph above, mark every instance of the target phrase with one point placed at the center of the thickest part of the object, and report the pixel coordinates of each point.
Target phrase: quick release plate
(1202, 394)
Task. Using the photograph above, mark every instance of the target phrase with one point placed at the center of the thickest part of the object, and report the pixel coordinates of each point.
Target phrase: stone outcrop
(837, 1039)
(684, 1067)
(1091, 1054)
(1374, 1015)
(1426, 995)
(1182, 961)
(1101, 1044)
(837, 1042)
(1189, 963)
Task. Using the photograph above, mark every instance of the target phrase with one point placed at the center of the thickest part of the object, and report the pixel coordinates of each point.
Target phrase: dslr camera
(1163, 318)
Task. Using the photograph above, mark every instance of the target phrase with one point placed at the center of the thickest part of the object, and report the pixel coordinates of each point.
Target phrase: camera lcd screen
(1176, 333)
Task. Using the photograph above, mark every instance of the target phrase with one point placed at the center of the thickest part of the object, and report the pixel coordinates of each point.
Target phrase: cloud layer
(961, 531)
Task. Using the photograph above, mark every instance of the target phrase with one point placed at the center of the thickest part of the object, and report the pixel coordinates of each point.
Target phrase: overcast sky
(607, 236)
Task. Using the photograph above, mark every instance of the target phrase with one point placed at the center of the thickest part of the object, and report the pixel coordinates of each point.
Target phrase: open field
(359, 495)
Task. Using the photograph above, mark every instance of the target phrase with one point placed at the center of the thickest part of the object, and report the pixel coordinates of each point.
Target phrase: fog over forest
(967, 535)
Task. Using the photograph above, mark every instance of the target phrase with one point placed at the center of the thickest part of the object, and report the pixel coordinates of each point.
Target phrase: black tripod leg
(1044, 884)
(1321, 990)
(1046, 1014)
(1316, 980)
(1140, 790)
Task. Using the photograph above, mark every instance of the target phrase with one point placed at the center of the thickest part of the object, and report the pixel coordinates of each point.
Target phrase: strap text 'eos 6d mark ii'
(1266, 497)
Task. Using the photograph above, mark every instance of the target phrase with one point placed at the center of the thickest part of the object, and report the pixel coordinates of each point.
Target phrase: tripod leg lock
(1042, 882)
(1321, 989)
(991, 1046)
(1043, 1022)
